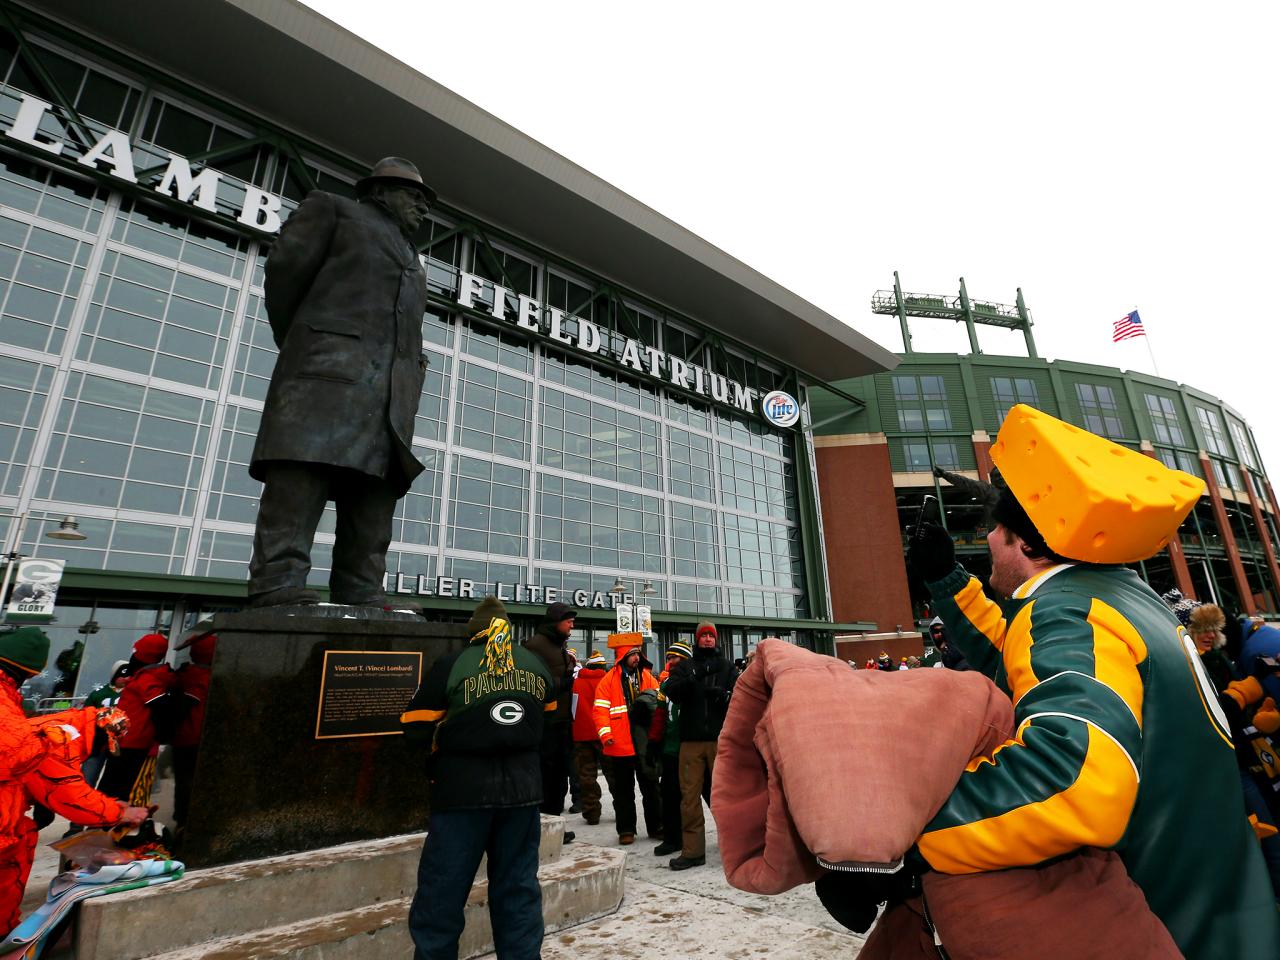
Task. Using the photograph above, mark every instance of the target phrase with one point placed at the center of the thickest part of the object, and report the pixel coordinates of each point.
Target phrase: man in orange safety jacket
(619, 689)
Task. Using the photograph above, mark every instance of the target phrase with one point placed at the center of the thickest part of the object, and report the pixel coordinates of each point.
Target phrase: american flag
(1129, 326)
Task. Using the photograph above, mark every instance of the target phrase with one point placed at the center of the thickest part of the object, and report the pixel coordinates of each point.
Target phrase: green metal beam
(967, 309)
(902, 314)
(1027, 336)
(14, 21)
(209, 157)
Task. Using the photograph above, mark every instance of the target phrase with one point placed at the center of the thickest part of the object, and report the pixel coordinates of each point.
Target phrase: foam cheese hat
(1091, 499)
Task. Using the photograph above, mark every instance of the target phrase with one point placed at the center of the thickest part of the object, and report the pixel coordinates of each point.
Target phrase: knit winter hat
(705, 627)
(559, 612)
(681, 648)
(490, 608)
(117, 667)
(596, 659)
(151, 648)
(1180, 606)
(26, 648)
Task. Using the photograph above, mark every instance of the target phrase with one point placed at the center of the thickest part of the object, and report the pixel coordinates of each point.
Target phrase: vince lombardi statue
(345, 294)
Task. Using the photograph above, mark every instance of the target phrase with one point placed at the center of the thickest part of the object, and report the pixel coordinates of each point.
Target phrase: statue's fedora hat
(399, 172)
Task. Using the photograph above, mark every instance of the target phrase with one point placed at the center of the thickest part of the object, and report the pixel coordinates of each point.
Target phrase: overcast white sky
(1100, 156)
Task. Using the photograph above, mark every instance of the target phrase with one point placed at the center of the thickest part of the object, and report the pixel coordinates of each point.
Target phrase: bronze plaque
(363, 692)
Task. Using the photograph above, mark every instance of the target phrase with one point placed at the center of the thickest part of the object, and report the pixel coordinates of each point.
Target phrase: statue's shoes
(285, 597)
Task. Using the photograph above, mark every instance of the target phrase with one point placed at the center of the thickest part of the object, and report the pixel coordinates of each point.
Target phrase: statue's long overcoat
(345, 294)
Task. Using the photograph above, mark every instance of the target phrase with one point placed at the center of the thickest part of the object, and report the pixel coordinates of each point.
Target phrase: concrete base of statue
(278, 772)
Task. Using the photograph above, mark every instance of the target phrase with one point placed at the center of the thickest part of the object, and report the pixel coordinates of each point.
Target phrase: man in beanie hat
(586, 745)
(1120, 739)
(102, 697)
(149, 701)
(480, 711)
(667, 732)
(28, 770)
(345, 293)
(548, 642)
(701, 687)
(622, 687)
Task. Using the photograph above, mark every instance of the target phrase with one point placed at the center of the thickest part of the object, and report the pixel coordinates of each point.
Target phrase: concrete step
(242, 898)
(586, 883)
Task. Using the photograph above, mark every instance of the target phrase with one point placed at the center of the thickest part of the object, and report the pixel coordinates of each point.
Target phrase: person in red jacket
(192, 688)
(149, 702)
(618, 691)
(41, 764)
(586, 742)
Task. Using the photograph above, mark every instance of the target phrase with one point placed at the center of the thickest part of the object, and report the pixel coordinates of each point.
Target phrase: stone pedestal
(264, 784)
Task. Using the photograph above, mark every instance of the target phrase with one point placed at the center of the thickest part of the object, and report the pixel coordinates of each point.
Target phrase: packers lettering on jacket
(1120, 743)
(481, 685)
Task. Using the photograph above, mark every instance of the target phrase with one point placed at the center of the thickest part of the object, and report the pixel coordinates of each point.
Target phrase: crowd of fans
(655, 733)
(1241, 660)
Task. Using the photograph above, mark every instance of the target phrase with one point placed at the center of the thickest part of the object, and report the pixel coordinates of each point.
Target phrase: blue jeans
(456, 840)
(1256, 803)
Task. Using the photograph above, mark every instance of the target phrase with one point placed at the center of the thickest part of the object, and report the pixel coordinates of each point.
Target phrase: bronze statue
(345, 295)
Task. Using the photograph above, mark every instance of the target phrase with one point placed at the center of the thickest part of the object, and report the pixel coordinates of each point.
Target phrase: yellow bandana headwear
(497, 646)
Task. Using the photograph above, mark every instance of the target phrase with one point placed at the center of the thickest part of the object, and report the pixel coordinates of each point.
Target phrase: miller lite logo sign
(780, 408)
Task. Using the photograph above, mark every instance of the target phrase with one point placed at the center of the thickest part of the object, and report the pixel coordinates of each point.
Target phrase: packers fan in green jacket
(481, 711)
(1120, 742)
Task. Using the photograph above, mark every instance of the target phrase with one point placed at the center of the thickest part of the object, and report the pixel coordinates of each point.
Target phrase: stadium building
(611, 401)
(876, 461)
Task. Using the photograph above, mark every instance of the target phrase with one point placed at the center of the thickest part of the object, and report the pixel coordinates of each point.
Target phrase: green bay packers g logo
(507, 712)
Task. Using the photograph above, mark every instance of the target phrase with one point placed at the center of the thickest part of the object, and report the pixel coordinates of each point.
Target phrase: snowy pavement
(670, 915)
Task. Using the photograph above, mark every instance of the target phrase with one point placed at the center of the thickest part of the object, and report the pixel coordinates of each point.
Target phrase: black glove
(931, 552)
(852, 899)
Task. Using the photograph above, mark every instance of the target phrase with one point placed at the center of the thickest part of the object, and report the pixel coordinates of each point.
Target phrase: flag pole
(1151, 353)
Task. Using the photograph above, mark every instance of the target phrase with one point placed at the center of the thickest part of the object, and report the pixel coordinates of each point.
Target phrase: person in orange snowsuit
(611, 711)
(41, 761)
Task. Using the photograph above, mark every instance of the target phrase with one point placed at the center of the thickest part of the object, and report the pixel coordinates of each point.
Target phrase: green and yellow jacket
(484, 724)
(1120, 743)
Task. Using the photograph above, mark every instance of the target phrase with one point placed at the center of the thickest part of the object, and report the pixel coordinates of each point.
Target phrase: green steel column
(1026, 325)
(902, 314)
(968, 319)
(812, 547)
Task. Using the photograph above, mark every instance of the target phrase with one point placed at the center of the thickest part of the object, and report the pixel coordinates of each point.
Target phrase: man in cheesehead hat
(1120, 743)
(480, 713)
